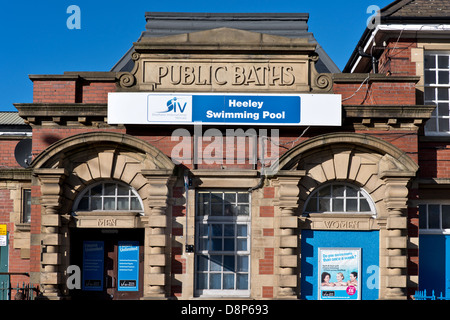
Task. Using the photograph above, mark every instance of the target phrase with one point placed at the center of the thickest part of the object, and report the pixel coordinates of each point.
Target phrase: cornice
(386, 117)
(58, 113)
(389, 111)
(372, 77)
(75, 76)
(15, 174)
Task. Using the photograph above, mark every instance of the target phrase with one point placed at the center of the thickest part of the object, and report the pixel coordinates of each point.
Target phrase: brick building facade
(116, 187)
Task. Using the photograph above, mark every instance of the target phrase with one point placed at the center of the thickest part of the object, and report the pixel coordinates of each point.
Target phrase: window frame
(436, 86)
(24, 206)
(361, 194)
(427, 230)
(209, 221)
(132, 193)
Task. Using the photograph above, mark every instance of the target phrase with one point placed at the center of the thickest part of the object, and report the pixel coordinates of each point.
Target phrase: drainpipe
(374, 60)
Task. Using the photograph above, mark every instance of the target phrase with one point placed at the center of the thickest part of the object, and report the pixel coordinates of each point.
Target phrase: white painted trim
(401, 27)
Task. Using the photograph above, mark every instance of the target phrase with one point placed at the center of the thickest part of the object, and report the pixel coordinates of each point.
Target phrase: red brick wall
(396, 58)
(7, 158)
(406, 141)
(434, 159)
(45, 136)
(377, 92)
(97, 92)
(6, 207)
(71, 91)
(266, 264)
(54, 91)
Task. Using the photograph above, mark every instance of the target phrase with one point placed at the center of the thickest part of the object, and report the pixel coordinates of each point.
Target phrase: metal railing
(25, 291)
(422, 295)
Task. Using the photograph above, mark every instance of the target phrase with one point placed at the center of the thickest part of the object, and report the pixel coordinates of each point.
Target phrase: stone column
(51, 189)
(288, 192)
(396, 239)
(157, 246)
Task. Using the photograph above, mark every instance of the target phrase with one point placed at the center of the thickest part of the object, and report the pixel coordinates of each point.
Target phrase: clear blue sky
(35, 38)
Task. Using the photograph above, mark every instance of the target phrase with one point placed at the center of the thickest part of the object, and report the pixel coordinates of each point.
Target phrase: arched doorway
(375, 168)
(110, 258)
(110, 187)
(335, 258)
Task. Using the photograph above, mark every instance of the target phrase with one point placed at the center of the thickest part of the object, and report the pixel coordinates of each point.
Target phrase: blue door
(366, 241)
(434, 263)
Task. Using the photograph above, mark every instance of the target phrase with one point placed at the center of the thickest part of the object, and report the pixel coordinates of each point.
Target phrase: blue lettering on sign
(128, 266)
(246, 109)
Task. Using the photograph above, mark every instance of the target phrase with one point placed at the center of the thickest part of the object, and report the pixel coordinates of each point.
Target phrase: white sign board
(225, 109)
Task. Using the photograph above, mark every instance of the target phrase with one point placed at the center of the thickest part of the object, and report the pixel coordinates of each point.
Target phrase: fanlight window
(339, 198)
(109, 196)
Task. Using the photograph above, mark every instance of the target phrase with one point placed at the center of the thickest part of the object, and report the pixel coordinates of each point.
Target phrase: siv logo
(164, 108)
(173, 105)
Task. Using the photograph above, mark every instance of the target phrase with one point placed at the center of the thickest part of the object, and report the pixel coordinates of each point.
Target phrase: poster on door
(93, 261)
(128, 266)
(339, 273)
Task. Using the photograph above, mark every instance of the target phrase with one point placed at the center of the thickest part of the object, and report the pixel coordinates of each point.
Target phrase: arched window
(339, 198)
(109, 196)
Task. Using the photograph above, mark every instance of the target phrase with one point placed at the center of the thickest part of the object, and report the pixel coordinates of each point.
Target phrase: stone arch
(54, 155)
(360, 159)
(378, 146)
(94, 156)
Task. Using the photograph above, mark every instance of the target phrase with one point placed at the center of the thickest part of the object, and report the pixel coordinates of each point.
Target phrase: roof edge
(227, 15)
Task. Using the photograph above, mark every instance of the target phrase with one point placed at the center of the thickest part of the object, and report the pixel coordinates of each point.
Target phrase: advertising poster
(93, 261)
(128, 266)
(339, 273)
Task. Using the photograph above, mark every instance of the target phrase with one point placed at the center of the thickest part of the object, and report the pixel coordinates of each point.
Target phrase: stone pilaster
(51, 189)
(393, 270)
(157, 244)
(287, 253)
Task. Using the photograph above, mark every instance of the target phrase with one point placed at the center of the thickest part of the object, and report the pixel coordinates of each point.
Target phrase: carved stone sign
(110, 222)
(347, 223)
(86, 221)
(225, 60)
(341, 224)
(222, 75)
